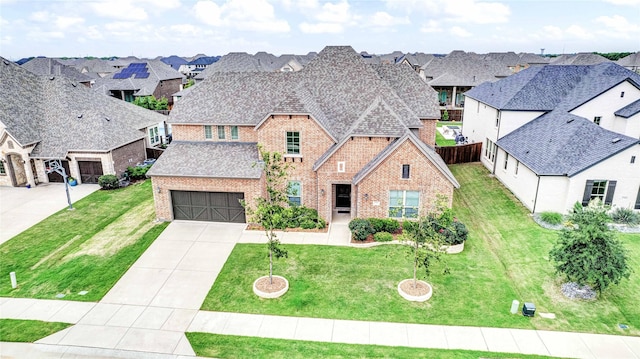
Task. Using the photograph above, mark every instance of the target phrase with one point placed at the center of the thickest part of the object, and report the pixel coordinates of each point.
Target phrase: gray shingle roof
(629, 110)
(49, 66)
(61, 116)
(429, 153)
(559, 143)
(336, 88)
(632, 60)
(461, 68)
(546, 88)
(94, 66)
(158, 71)
(209, 159)
(583, 58)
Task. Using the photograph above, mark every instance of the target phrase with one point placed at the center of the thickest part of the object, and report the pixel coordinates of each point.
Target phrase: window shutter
(587, 193)
(610, 190)
(637, 206)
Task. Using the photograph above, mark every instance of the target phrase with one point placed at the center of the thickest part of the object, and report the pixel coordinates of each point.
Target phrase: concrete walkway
(21, 207)
(158, 300)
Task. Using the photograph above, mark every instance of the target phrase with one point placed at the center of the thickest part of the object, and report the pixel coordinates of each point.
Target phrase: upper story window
(406, 171)
(506, 161)
(497, 120)
(341, 166)
(234, 132)
(2, 170)
(221, 135)
(622, 94)
(597, 119)
(293, 142)
(633, 159)
(154, 137)
(517, 167)
(207, 132)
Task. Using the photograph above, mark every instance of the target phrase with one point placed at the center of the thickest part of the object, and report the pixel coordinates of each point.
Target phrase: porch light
(322, 192)
(366, 196)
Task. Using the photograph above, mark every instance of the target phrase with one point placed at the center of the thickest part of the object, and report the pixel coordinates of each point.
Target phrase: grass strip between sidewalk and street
(28, 331)
(236, 347)
(86, 249)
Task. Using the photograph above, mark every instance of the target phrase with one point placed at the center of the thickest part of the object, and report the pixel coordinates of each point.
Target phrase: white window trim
(404, 203)
(299, 195)
(341, 166)
(286, 146)
(210, 132)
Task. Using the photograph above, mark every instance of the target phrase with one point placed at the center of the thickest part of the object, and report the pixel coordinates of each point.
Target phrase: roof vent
(107, 118)
(52, 78)
(615, 140)
(6, 62)
(74, 84)
(80, 116)
(570, 120)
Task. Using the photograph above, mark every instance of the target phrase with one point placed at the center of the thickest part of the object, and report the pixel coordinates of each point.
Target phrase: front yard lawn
(506, 258)
(28, 331)
(235, 347)
(87, 249)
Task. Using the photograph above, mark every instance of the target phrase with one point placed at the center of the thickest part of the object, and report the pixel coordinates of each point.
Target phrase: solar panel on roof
(142, 75)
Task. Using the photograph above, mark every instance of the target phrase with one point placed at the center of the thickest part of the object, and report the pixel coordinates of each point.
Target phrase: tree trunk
(415, 265)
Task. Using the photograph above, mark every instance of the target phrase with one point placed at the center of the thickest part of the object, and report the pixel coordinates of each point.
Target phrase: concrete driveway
(21, 208)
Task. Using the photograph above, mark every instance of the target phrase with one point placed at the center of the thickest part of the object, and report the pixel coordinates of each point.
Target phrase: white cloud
(39, 35)
(383, 19)
(164, 4)
(321, 28)
(185, 29)
(93, 33)
(431, 26)
(64, 22)
(578, 32)
(254, 15)
(338, 12)
(459, 32)
(619, 24)
(119, 9)
(624, 2)
(39, 16)
(6, 40)
(472, 11)
(553, 32)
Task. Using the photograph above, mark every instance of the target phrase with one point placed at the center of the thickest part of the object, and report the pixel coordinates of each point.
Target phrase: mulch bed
(255, 227)
(277, 284)
(419, 290)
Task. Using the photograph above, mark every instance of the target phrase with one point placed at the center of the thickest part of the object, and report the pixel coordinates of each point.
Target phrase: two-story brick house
(358, 137)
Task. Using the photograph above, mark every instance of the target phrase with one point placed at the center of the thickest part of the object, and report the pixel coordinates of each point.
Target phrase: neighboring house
(49, 66)
(581, 58)
(94, 68)
(260, 62)
(45, 118)
(555, 135)
(174, 61)
(194, 67)
(415, 60)
(631, 62)
(149, 78)
(358, 137)
(517, 62)
(458, 72)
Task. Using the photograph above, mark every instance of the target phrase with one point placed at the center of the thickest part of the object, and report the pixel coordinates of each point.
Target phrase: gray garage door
(208, 206)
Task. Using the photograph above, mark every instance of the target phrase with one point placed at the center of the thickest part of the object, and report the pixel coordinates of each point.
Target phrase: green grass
(506, 258)
(28, 331)
(88, 248)
(440, 140)
(235, 347)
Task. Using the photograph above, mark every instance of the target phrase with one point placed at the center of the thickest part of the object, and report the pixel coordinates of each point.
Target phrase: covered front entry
(16, 166)
(90, 171)
(342, 197)
(208, 206)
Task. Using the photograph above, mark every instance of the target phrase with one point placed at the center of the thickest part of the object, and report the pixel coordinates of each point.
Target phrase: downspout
(535, 199)
(497, 137)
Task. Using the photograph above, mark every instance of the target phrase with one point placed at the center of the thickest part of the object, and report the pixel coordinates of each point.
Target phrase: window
(207, 132)
(405, 171)
(341, 166)
(221, 133)
(517, 167)
(442, 96)
(404, 204)
(637, 206)
(154, 138)
(597, 119)
(622, 94)
(506, 161)
(234, 132)
(601, 189)
(490, 150)
(294, 192)
(293, 143)
(633, 159)
(2, 170)
(497, 120)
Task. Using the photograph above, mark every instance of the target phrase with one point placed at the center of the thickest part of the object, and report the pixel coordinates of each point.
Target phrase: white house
(555, 135)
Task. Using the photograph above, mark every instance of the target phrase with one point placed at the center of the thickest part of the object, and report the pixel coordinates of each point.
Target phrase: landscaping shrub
(456, 233)
(108, 182)
(383, 237)
(360, 229)
(625, 216)
(137, 172)
(390, 225)
(553, 218)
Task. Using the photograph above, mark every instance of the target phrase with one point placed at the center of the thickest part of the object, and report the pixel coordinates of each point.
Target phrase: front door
(343, 196)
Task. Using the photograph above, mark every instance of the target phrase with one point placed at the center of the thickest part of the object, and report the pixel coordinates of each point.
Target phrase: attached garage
(90, 171)
(208, 206)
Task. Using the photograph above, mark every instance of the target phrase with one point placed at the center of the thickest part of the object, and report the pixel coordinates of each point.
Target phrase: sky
(150, 28)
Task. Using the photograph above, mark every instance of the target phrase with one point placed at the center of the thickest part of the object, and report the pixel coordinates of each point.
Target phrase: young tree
(588, 252)
(268, 210)
(426, 237)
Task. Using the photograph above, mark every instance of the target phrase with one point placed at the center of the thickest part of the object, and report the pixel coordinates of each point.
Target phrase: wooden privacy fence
(460, 153)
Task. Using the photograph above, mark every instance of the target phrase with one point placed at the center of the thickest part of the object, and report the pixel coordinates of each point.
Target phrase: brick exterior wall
(424, 177)
(252, 189)
(196, 133)
(167, 88)
(128, 155)
(428, 131)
